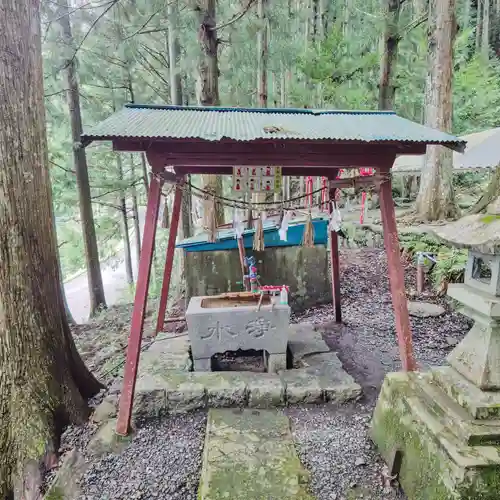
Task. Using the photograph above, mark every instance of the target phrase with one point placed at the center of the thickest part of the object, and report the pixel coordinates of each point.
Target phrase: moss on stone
(485, 485)
(55, 493)
(250, 455)
(428, 471)
(488, 219)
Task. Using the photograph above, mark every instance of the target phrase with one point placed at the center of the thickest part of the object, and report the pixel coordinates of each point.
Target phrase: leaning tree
(43, 382)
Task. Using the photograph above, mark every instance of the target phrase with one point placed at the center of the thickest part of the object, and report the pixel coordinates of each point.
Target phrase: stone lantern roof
(479, 232)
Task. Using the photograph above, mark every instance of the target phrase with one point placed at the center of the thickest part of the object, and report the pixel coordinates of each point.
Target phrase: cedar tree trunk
(207, 86)
(176, 98)
(127, 253)
(436, 198)
(389, 55)
(43, 381)
(96, 289)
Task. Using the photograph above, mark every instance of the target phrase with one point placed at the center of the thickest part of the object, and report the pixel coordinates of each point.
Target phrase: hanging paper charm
(283, 230)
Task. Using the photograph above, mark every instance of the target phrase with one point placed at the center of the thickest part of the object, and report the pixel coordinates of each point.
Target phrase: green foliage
(122, 55)
(450, 262)
(450, 266)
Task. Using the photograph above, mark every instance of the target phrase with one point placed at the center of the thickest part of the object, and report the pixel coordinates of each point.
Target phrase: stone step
(479, 404)
(454, 417)
(464, 456)
(434, 463)
(250, 455)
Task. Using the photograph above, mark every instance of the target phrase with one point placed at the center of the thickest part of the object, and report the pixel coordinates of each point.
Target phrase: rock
(424, 309)
(166, 353)
(150, 397)
(336, 384)
(106, 410)
(105, 440)
(304, 340)
(224, 388)
(301, 387)
(184, 392)
(451, 341)
(265, 391)
(360, 461)
(65, 484)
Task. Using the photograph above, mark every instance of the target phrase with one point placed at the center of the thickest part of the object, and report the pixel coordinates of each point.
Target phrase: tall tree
(96, 288)
(43, 381)
(67, 311)
(388, 62)
(207, 86)
(262, 52)
(176, 99)
(127, 253)
(135, 209)
(436, 197)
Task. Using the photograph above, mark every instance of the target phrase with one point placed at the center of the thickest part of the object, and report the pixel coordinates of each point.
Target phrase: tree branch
(116, 190)
(92, 26)
(110, 205)
(236, 17)
(69, 171)
(416, 23)
(139, 31)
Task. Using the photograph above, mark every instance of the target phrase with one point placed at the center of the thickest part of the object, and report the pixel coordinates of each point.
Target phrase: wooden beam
(295, 151)
(140, 303)
(396, 273)
(169, 261)
(255, 157)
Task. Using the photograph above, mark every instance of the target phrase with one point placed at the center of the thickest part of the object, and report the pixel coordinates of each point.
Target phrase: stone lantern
(440, 430)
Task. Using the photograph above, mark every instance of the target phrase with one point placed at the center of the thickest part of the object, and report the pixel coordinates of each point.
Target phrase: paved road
(114, 280)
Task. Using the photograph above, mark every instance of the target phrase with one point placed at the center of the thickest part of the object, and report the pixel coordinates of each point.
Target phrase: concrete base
(165, 386)
(202, 364)
(274, 363)
(432, 419)
(215, 329)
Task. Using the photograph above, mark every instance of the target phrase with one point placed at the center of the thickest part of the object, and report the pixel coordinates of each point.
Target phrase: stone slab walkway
(250, 455)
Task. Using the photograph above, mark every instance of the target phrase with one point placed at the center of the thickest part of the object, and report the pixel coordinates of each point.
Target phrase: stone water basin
(230, 322)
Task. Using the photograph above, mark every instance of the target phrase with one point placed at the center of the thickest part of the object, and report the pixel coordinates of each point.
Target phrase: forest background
(345, 54)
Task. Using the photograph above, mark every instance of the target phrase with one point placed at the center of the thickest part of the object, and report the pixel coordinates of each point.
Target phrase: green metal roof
(214, 124)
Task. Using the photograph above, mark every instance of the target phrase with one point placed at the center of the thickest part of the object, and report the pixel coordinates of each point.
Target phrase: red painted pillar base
(335, 264)
(396, 273)
(140, 303)
(169, 260)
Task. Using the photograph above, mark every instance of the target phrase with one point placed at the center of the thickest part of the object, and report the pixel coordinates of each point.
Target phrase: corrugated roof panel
(482, 151)
(214, 124)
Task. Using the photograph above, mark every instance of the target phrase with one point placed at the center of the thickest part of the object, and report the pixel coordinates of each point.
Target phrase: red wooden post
(169, 261)
(396, 273)
(140, 302)
(335, 264)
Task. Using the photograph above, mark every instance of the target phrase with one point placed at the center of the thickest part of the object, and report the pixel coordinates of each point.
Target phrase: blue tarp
(226, 237)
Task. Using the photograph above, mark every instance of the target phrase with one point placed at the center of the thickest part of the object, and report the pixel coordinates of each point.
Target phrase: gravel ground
(366, 340)
(333, 441)
(163, 460)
